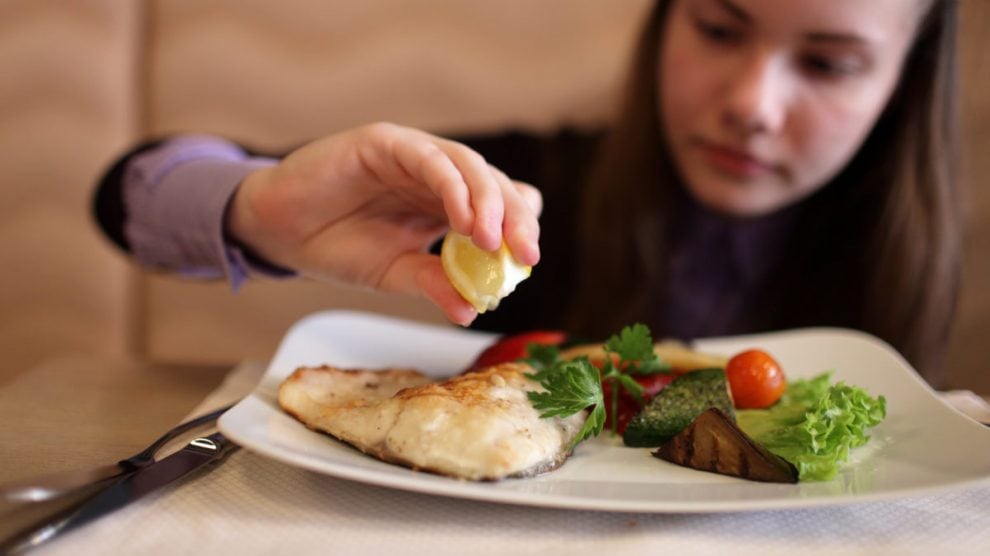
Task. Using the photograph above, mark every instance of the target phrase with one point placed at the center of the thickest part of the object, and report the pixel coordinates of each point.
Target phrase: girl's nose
(756, 96)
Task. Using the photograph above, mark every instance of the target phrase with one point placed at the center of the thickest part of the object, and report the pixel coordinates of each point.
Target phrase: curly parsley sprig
(576, 385)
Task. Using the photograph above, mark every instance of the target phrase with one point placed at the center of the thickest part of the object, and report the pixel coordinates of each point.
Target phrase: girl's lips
(735, 162)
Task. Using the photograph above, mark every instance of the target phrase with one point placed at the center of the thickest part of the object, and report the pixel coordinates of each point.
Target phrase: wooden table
(76, 412)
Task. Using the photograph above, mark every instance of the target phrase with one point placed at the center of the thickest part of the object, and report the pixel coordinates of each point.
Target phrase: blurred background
(83, 80)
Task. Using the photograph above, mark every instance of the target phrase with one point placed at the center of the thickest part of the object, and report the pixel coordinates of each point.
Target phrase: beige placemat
(253, 505)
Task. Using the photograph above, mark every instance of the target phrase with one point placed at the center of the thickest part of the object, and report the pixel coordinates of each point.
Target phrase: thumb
(421, 274)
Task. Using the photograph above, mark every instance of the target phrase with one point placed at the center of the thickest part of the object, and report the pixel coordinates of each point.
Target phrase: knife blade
(46, 487)
(197, 454)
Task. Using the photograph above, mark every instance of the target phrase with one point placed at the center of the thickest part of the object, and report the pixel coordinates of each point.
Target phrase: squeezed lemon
(482, 278)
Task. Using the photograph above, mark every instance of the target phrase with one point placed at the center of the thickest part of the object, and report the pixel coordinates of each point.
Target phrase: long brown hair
(878, 248)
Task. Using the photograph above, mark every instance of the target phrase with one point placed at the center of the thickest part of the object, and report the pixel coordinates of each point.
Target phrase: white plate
(923, 445)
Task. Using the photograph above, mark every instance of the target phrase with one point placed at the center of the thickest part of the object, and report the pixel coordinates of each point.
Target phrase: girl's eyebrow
(837, 37)
(735, 10)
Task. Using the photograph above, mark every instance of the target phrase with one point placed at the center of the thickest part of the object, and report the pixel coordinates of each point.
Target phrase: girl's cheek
(825, 142)
(679, 88)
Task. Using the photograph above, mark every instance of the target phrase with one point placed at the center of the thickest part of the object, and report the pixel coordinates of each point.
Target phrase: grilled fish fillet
(479, 426)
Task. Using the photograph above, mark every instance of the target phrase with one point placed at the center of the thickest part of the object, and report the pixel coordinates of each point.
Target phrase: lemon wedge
(482, 278)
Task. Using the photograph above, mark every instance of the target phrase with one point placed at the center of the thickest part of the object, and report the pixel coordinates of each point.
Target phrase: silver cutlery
(195, 455)
(46, 487)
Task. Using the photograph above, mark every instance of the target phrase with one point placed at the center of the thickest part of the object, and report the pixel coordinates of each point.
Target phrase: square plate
(921, 447)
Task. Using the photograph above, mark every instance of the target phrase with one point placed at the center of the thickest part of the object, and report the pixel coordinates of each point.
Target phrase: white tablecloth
(253, 505)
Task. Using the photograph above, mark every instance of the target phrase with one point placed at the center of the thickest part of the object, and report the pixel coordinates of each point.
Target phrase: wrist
(242, 228)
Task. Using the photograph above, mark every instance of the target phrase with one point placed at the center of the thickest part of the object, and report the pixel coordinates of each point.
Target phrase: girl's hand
(365, 205)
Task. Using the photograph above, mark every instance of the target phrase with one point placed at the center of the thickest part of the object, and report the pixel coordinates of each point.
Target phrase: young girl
(776, 164)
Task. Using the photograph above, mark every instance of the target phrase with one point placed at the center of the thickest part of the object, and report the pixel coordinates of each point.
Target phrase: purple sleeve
(175, 197)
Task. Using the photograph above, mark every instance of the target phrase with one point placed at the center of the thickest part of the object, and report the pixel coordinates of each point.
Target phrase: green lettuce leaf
(815, 424)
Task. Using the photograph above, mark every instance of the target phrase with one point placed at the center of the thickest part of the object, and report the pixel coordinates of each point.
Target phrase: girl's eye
(831, 66)
(717, 32)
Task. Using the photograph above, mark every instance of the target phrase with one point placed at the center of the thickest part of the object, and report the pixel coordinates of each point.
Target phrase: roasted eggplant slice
(713, 442)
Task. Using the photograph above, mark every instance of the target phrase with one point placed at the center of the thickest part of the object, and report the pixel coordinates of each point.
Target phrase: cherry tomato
(513, 347)
(628, 407)
(755, 379)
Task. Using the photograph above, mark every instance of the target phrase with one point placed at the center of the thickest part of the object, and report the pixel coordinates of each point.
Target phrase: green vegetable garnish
(569, 384)
(815, 424)
(634, 347)
(541, 356)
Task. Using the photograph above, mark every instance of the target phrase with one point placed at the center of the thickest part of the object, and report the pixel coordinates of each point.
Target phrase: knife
(195, 455)
(46, 487)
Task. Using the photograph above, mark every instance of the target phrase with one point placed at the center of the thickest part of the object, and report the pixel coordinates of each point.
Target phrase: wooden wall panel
(280, 73)
(67, 103)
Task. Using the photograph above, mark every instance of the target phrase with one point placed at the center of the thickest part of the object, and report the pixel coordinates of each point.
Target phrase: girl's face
(764, 101)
